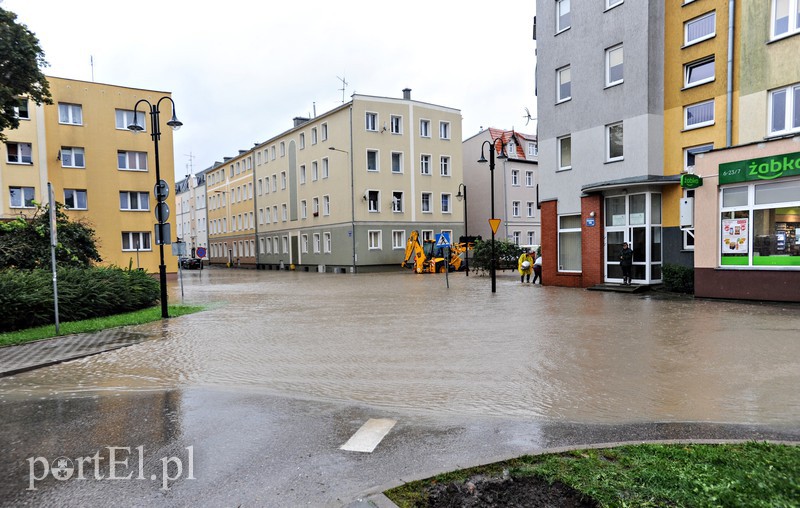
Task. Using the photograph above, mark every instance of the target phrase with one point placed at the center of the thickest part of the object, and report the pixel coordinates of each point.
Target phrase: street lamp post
(459, 196)
(493, 147)
(155, 133)
(352, 203)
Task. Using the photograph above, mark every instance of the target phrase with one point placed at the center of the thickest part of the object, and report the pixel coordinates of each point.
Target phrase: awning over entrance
(636, 181)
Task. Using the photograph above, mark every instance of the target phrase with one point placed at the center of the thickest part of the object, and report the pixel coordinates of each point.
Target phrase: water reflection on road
(407, 341)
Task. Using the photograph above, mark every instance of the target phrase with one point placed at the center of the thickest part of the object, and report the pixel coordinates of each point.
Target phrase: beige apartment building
(103, 172)
(341, 192)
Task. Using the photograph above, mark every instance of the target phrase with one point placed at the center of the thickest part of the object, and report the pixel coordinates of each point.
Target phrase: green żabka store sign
(765, 168)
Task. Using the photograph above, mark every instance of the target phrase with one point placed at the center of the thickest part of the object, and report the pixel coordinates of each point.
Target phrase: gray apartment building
(600, 107)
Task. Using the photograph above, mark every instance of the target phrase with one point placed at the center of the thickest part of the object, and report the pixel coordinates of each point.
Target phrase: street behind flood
(284, 367)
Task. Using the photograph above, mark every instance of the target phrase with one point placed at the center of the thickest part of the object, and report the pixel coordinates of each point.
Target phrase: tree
(20, 61)
(25, 242)
(506, 253)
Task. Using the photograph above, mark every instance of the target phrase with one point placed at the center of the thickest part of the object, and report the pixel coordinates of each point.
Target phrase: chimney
(299, 120)
(407, 94)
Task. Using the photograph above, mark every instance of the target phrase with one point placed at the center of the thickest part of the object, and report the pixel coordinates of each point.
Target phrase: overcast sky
(240, 70)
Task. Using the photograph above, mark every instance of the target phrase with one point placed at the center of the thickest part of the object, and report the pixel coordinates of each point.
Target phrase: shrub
(26, 296)
(506, 252)
(678, 278)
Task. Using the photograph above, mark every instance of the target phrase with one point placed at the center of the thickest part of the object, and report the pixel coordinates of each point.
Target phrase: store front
(753, 243)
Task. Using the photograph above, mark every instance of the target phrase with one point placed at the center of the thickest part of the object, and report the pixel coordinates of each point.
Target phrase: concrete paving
(265, 390)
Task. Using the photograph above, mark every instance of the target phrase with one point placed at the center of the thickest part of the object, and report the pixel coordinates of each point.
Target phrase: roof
(519, 140)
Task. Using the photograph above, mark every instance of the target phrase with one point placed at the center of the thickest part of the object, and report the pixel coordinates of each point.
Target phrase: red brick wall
(592, 241)
(592, 245)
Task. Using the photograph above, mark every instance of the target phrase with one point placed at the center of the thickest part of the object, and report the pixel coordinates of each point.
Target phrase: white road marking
(369, 435)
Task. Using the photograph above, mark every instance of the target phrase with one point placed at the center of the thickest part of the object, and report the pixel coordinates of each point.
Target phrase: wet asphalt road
(256, 395)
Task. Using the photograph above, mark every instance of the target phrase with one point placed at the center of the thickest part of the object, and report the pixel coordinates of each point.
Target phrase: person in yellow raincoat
(525, 266)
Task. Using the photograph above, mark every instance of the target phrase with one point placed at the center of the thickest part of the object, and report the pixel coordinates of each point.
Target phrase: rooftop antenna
(190, 164)
(344, 85)
(91, 64)
(528, 116)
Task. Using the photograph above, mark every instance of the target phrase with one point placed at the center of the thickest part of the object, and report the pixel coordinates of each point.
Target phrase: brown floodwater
(407, 341)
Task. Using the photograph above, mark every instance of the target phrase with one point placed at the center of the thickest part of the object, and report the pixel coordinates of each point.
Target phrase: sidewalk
(41, 353)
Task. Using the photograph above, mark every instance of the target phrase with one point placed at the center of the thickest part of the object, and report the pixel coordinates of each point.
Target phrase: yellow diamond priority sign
(495, 223)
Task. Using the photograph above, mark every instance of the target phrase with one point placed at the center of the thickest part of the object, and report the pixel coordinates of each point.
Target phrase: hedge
(26, 296)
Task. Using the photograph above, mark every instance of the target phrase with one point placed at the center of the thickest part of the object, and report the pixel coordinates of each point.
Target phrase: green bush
(678, 278)
(26, 296)
(507, 254)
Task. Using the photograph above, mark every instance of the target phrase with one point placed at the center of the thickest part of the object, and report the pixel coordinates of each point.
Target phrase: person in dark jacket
(626, 262)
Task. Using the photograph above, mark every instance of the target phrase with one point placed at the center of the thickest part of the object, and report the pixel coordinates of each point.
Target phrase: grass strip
(96, 324)
(753, 474)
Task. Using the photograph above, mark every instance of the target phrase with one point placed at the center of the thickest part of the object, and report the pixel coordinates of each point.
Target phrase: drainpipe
(729, 113)
(352, 191)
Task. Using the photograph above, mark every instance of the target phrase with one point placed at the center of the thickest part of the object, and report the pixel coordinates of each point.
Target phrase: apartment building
(342, 191)
(600, 75)
(516, 180)
(230, 207)
(745, 216)
(103, 172)
(190, 213)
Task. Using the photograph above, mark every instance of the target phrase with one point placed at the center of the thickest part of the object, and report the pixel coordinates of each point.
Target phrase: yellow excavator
(431, 259)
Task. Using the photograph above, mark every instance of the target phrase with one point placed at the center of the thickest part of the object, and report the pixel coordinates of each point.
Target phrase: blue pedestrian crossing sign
(443, 240)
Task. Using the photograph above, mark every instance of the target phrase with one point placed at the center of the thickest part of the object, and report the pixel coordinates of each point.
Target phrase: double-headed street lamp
(493, 148)
(161, 189)
(460, 196)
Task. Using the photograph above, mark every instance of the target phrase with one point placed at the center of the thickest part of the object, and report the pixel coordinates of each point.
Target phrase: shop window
(569, 243)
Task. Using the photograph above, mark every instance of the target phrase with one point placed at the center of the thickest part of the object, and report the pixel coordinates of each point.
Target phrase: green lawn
(747, 475)
(93, 325)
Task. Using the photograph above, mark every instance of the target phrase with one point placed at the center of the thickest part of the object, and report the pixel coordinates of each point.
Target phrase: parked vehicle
(191, 263)
(431, 259)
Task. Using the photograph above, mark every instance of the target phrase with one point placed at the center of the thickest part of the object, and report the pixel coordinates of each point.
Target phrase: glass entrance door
(635, 219)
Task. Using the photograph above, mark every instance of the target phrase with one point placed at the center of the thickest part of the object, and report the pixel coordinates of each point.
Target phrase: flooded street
(406, 341)
(256, 396)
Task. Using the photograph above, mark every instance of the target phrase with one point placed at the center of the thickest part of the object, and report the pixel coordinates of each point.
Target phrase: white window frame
(699, 125)
(22, 108)
(792, 94)
(533, 149)
(314, 171)
(515, 208)
(326, 205)
(373, 201)
(22, 156)
(559, 142)
(425, 164)
(396, 124)
(793, 24)
(609, 157)
(531, 208)
(515, 178)
(303, 209)
(315, 206)
(559, 81)
(302, 176)
(326, 243)
(374, 239)
(444, 165)
(446, 202)
(313, 136)
(563, 10)
(444, 130)
(77, 194)
(397, 157)
(561, 231)
(70, 114)
(529, 179)
(687, 40)
(698, 64)
(129, 156)
(324, 131)
(301, 143)
(693, 151)
(142, 201)
(371, 121)
(426, 199)
(609, 52)
(397, 201)
(377, 166)
(304, 243)
(424, 128)
(317, 244)
(27, 196)
(124, 117)
(326, 170)
(143, 241)
(610, 4)
(398, 239)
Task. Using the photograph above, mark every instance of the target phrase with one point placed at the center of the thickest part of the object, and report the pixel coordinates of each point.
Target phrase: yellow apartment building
(103, 172)
(342, 191)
